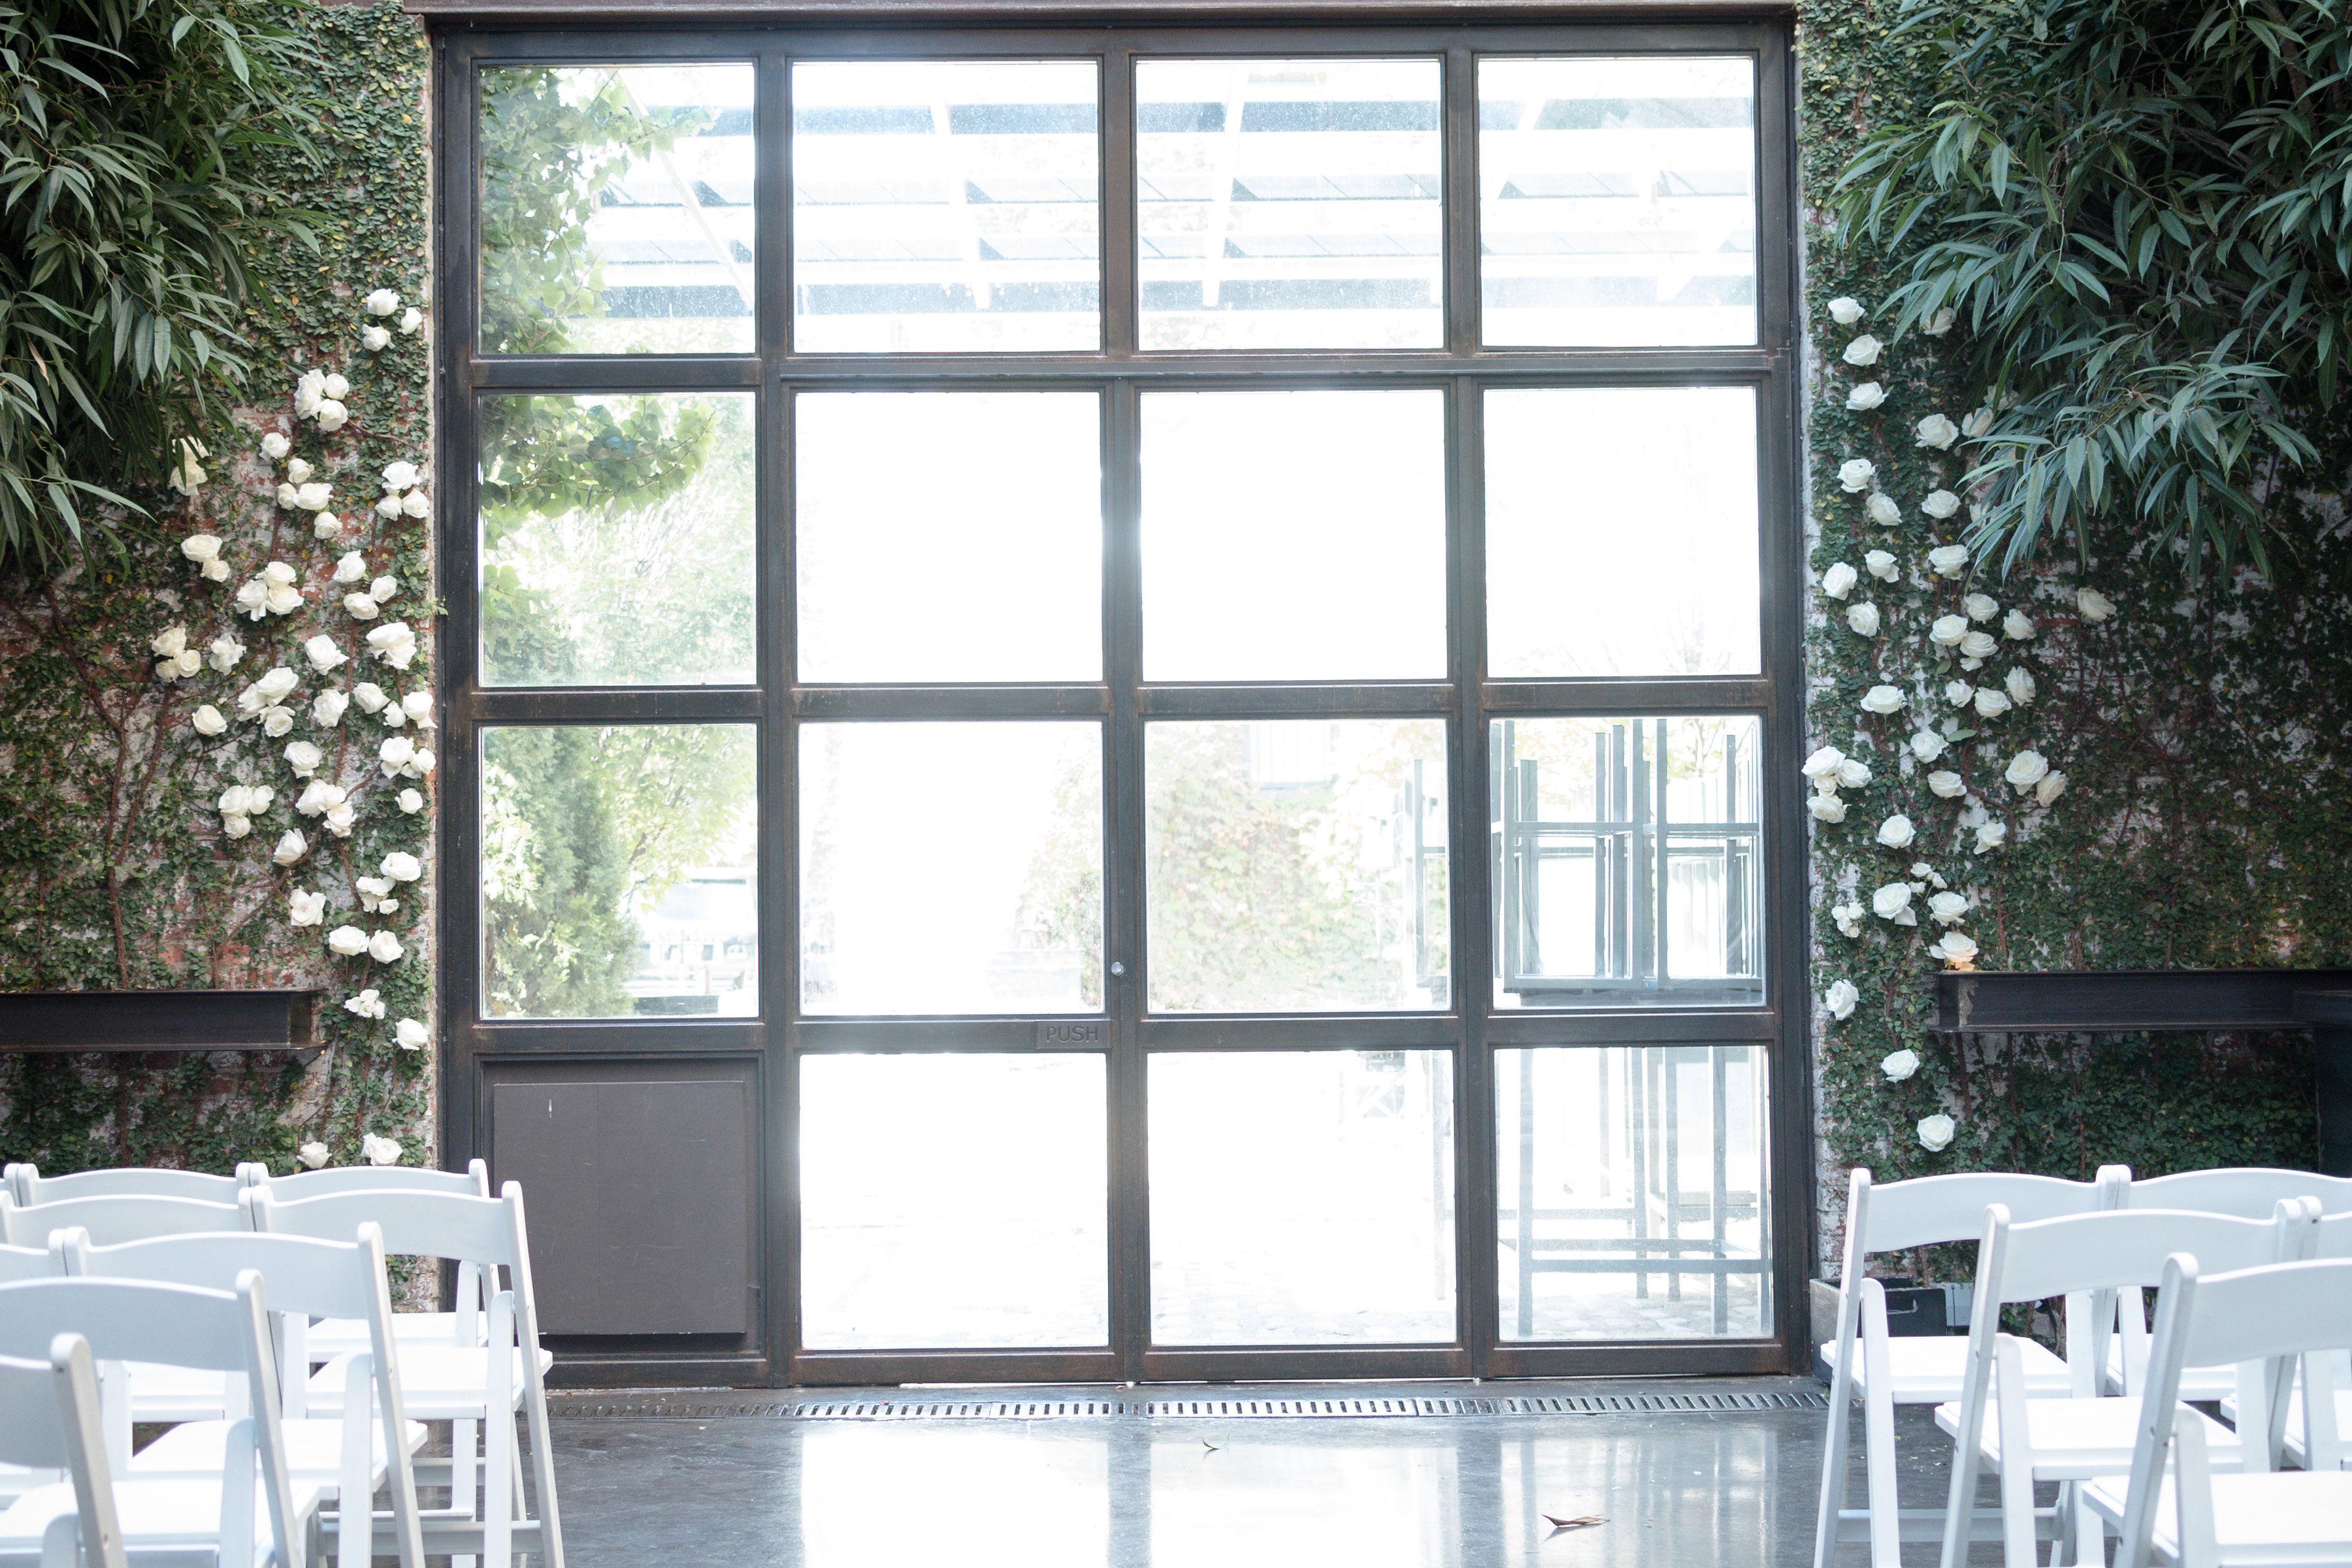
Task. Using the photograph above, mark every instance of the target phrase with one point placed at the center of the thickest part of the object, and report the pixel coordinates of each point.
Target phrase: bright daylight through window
(1185, 639)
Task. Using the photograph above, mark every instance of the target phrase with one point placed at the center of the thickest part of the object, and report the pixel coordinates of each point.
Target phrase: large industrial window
(1180, 644)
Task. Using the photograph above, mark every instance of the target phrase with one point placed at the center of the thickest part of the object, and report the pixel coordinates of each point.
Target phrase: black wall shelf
(67, 1021)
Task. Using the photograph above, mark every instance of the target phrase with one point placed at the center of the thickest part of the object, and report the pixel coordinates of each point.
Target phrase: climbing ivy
(2200, 726)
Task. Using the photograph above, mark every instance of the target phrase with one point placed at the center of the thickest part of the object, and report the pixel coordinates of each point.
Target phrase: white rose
(1866, 397)
(170, 641)
(208, 720)
(1940, 504)
(1948, 560)
(373, 890)
(1840, 998)
(1881, 699)
(1940, 322)
(1900, 1066)
(361, 607)
(235, 826)
(1926, 745)
(1892, 901)
(287, 496)
(1881, 566)
(1991, 704)
(326, 526)
(418, 706)
(1848, 918)
(2093, 606)
(253, 599)
(1938, 432)
(395, 755)
(1862, 350)
(308, 909)
(347, 941)
(410, 801)
(410, 320)
(1896, 831)
(299, 472)
(410, 1034)
(313, 495)
(1845, 310)
(333, 415)
(201, 547)
(369, 696)
(1934, 1132)
(222, 652)
(1955, 947)
(1945, 908)
(368, 1004)
(1839, 580)
(378, 1151)
(276, 722)
(235, 801)
(399, 476)
(2019, 682)
(1947, 630)
(2017, 626)
(416, 504)
(351, 567)
(376, 340)
(383, 588)
(214, 572)
(1826, 808)
(394, 716)
(304, 757)
(423, 764)
(382, 302)
(1882, 509)
(317, 796)
(387, 506)
(323, 654)
(1980, 607)
(2052, 785)
(1823, 764)
(1855, 474)
(1958, 693)
(1852, 773)
(309, 388)
(402, 866)
(291, 847)
(327, 709)
(335, 386)
(339, 818)
(1991, 836)
(1977, 423)
(1863, 620)
(281, 600)
(275, 446)
(1978, 646)
(383, 947)
(311, 1156)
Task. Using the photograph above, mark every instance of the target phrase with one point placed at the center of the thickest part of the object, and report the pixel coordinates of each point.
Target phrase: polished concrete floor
(1714, 1487)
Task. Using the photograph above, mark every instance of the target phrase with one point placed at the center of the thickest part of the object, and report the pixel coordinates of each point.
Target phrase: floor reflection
(1731, 1488)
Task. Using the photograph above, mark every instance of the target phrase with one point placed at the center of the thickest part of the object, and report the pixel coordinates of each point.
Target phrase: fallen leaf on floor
(1578, 1522)
(1213, 1447)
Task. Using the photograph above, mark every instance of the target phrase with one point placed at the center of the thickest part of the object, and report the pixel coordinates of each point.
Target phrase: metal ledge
(2118, 1001)
(67, 1021)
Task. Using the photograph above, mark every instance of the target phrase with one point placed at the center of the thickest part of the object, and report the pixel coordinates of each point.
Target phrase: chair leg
(1878, 1430)
(1834, 1459)
(2017, 1461)
(461, 1477)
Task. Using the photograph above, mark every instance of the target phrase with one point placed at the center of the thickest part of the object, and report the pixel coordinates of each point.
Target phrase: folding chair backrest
(24, 1263)
(319, 1279)
(1928, 1210)
(111, 1220)
(472, 1182)
(449, 1226)
(2260, 1314)
(29, 1187)
(49, 1421)
(2082, 1253)
(2331, 1237)
(2251, 1192)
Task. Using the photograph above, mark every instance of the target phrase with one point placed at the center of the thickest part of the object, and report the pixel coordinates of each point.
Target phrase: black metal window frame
(767, 1049)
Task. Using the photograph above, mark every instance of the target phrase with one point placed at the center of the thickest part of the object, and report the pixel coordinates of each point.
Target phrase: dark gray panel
(640, 1202)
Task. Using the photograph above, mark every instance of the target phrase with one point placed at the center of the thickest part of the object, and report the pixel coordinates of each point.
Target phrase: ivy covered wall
(121, 864)
(2199, 731)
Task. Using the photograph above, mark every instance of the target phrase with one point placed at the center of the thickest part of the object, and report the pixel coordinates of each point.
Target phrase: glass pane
(1293, 535)
(1302, 1197)
(619, 872)
(617, 209)
(1629, 868)
(1617, 201)
(954, 1200)
(1632, 1192)
(945, 205)
(617, 540)
(1296, 865)
(1622, 531)
(951, 867)
(949, 536)
(1289, 204)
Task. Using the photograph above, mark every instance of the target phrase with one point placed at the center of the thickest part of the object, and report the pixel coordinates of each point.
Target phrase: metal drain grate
(1375, 1407)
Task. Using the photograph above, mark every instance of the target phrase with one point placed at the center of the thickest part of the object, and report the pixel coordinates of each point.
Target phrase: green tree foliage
(141, 151)
(2141, 212)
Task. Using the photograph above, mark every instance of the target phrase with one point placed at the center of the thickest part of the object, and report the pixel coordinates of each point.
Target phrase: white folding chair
(2331, 1239)
(2190, 1517)
(23, 1263)
(49, 1424)
(1887, 1372)
(248, 1513)
(2073, 1439)
(373, 1443)
(468, 1380)
(333, 1337)
(2250, 1191)
(26, 1183)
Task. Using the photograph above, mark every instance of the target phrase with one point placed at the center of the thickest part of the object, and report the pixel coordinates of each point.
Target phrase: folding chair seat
(483, 1385)
(2072, 1440)
(1884, 1372)
(329, 1338)
(2169, 1505)
(248, 1514)
(2248, 1191)
(369, 1446)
